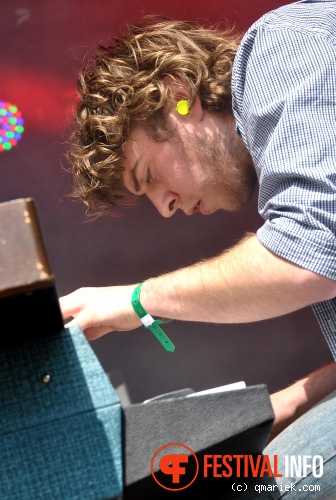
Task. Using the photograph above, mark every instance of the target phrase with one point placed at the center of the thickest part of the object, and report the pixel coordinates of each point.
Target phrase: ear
(179, 91)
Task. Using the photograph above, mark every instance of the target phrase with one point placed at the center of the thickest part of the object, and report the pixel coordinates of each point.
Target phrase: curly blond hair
(126, 87)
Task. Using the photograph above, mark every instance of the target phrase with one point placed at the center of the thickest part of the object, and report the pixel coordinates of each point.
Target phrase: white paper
(223, 388)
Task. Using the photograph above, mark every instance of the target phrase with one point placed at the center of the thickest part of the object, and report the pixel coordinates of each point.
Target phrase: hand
(284, 411)
(292, 402)
(98, 311)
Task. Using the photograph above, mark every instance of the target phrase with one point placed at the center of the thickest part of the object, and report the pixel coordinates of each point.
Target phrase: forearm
(246, 283)
(292, 402)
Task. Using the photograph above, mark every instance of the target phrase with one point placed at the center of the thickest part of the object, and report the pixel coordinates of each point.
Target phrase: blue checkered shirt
(284, 102)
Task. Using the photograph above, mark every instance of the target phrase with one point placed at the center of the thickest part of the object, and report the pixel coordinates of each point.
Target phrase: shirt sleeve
(284, 101)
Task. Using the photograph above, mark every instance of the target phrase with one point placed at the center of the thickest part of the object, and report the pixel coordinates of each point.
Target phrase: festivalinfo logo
(175, 467)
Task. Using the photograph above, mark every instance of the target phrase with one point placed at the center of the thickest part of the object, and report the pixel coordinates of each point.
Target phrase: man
(190, 119)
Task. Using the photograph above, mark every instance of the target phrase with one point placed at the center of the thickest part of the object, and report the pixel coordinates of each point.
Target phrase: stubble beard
(229, 168)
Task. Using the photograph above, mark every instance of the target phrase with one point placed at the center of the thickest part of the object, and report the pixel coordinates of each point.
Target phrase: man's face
(202, 171)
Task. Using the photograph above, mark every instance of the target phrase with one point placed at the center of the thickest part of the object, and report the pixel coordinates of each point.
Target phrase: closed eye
(149, 177)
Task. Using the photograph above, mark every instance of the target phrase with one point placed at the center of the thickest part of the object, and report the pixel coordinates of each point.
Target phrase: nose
(165, 201)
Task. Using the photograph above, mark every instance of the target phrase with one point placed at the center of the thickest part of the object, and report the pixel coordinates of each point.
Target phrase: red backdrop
(43, 44)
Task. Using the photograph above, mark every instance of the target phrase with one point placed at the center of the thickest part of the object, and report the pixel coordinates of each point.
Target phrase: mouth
(194, 209)
(201, 207)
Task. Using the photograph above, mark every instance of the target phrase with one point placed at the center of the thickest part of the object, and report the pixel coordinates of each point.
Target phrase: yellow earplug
(182, 107)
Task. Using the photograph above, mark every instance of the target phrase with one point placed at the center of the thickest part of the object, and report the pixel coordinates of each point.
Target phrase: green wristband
(149, 322)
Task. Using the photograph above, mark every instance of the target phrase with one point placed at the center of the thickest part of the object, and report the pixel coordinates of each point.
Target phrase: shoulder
(285, 26)
(312, 17)
(279, 52)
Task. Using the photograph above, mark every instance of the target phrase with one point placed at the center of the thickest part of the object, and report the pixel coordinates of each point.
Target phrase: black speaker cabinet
(236, 422)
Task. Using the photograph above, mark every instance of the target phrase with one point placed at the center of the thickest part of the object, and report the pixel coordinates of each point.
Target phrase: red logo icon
(177, 464)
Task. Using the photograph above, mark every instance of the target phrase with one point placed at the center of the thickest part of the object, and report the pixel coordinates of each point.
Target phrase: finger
(80, 320)
(95, 333)
(68, 309)
(90, 332)
(70, 324)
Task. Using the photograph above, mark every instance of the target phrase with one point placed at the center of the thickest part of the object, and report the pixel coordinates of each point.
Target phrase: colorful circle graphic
(11, 126)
